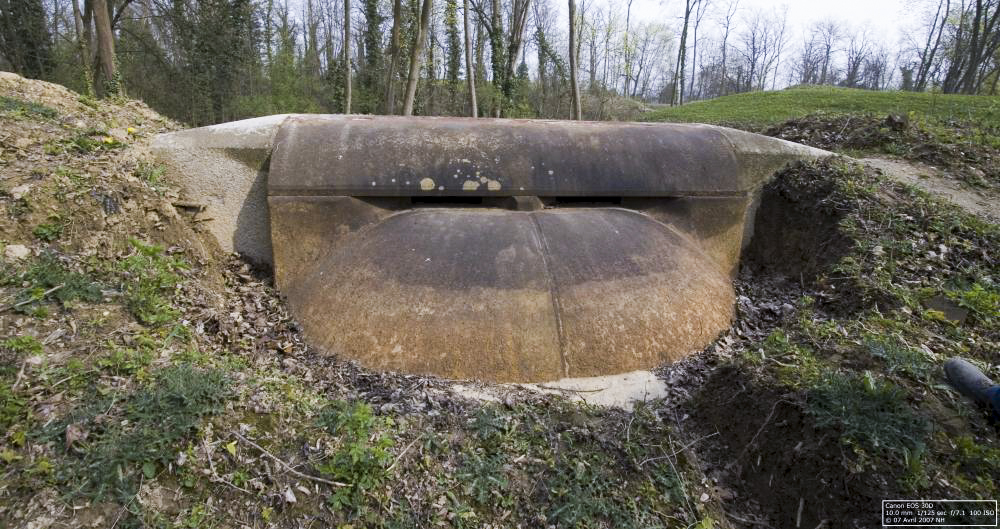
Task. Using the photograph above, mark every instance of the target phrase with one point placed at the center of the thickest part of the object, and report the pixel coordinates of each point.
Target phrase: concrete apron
(622, 391)
(500, 250)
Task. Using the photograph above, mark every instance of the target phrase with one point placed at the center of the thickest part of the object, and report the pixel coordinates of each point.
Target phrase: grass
(100, 416)
(871, 412)
(26, 108)
(572, 466)
(148, 280)
(49, 279)
(116, 440)
(864, 353)
(759, 110)
(13, 402)
(86, 142)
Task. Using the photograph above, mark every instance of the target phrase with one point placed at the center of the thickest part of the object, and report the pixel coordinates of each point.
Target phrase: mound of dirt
(951, 146)
(775, 465)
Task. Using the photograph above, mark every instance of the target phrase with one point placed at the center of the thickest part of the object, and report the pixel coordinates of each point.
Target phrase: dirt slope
(978, 201)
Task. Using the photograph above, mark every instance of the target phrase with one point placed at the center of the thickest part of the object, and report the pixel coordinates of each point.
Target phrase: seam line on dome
(553, 292)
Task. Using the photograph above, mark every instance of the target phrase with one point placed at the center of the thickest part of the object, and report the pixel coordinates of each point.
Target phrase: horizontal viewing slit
(446, 201)
(587, 201)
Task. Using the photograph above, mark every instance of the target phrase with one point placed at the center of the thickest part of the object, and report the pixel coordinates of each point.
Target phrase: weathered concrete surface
(503, 250)
(224, 167)
(622, 391)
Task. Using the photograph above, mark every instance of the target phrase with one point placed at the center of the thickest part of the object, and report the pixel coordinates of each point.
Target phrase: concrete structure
(496, 249)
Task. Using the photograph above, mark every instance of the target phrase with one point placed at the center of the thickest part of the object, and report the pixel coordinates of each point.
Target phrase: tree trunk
(681, 55)
(107, 82)
(627, 49)
(577, 113)
(347, 56)
(82, 47)
(699, 13)
(415, 53)
(593, 60)
(470, 75)
(929, 51)
(395, 45)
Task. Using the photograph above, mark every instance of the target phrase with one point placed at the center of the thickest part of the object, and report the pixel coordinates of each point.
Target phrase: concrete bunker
(504, 250)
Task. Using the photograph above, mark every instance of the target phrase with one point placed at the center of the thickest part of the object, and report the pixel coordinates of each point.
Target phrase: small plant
(983, 302)
(133, 435)
(48, 279)
(872, 413)
(976, 467)
(362, 454)
(797, 365)
(124, 361)
(76, 179)
(87, 101)
(149, 277)
(150, 173)
(49, 231)
(898, 357)
(92, 140)
(12, 404)
(22, 345)
(26, 108)
(19, 208)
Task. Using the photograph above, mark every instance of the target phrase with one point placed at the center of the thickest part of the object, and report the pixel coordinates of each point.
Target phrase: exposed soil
(955, 148)
(984, 202)
(774, 462)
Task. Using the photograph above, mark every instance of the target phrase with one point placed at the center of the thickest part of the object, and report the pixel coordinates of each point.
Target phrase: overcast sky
(885, 17)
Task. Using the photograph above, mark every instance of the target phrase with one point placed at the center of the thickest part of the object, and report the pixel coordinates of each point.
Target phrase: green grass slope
(758, 110)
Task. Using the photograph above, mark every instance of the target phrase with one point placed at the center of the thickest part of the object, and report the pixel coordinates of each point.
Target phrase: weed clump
(982, 301)
(361, 457)
(48, 279)
(149, 277)
(872, 414)
(26, 108)
(128, 436)
(898, 357)
(579, 475)
(22, 345)
(49, 231)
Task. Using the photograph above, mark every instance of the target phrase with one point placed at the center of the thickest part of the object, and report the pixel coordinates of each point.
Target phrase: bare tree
(760, 46)
(395, 48)
(415, 52)
(858, 49)
(727, 22)
(828, 34)
(107, 83)
(347, 56)
(689, 5)
(627, 46)
(577, 112)
(976, 41)
(930, 49)
(699, 14)
(470, 76)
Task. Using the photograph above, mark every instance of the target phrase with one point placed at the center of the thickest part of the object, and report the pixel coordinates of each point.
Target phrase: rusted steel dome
(505, 250)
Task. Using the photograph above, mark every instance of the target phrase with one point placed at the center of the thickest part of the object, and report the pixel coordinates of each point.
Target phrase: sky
(886, 17)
